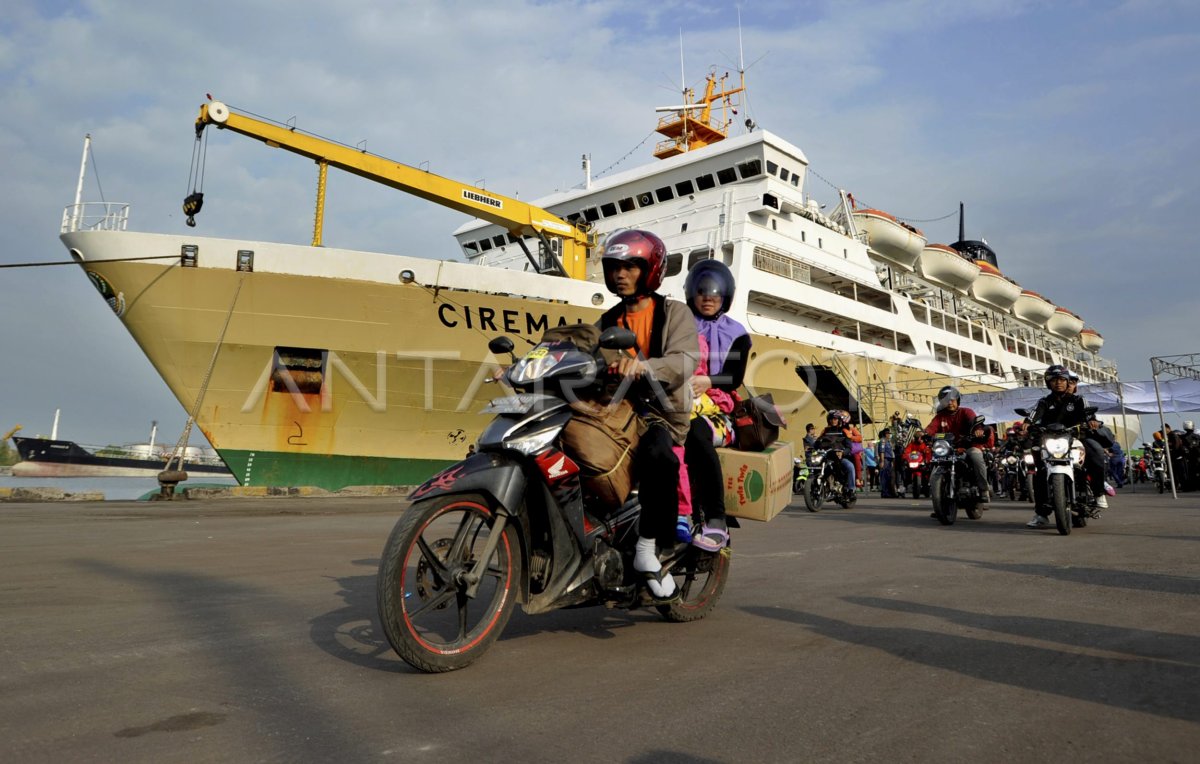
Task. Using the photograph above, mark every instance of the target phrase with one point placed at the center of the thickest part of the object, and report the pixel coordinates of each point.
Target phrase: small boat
(889, 238)
(994, 288)
(1091, 340)
(1065, 324)
(944, 265)
(1034, 308)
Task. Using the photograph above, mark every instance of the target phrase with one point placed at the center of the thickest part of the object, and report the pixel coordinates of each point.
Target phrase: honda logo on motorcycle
(556, 466)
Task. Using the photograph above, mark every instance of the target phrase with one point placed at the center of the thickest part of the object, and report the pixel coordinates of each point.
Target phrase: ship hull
(387, 373)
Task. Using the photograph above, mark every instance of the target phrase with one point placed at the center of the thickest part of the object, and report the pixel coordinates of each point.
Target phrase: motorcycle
(1158, 468)
(1029, 464)
(826, 477)
(918, 474)
(509, 525)
(1062, 454)
(799, 474)
(953, 484)
(1013, 476)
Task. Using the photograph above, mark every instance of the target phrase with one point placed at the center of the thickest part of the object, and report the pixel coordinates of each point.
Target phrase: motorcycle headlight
(1029, 459)
(941, 448)
(816, 458)
(1056, 447)
(534, 442)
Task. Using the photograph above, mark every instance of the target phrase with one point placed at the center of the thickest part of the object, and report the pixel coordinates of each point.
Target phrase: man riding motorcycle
(959, 421)
(837, 433)
(1059, 407)
(668, 350)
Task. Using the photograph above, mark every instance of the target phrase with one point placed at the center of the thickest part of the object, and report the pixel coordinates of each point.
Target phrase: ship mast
(75, 215)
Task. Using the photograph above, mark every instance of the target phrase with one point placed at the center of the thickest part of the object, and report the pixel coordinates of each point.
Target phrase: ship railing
(95, 216)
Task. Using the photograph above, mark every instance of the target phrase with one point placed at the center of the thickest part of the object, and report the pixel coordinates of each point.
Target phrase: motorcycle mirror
(617, 338)
(979, 420)
(1022, 412)
(1090, 410)
(501, 345)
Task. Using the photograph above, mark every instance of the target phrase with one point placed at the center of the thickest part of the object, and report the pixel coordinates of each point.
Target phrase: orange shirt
(641, 324)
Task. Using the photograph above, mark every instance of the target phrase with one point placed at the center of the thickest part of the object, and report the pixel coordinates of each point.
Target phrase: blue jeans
(848, 465)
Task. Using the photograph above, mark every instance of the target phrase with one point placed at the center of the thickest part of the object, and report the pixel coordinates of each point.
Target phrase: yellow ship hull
(384, 379)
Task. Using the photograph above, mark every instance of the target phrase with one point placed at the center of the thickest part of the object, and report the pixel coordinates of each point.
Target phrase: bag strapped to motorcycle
(602, 436)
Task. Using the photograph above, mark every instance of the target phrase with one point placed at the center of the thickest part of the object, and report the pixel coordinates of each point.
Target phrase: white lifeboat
(1065, 324)
(992, 287)
(944, 265)
(1033, 308)
(1091, 340)
(890, 239)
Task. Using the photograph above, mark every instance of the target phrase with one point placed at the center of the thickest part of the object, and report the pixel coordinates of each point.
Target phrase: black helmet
(709, 277)
(947, 394)
(1056, 371)
(1072, 376)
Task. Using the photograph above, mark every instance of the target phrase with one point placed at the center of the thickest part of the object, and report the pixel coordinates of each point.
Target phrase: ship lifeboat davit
(944, 265)
(1065, 324)
(1091, 340)
(1033, 308)
(887, 237)
(992, 287)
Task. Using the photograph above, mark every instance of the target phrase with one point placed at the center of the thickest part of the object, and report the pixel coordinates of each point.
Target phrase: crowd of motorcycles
(941, 473)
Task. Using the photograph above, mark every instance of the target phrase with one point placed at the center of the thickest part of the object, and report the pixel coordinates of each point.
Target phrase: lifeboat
(943, 265)
(993, 287)
(890, 239)
(1065, 324)
(1033, 308)
(1091, 340)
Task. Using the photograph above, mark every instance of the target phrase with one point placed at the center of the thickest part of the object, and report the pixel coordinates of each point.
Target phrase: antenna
(682, 75)
(741, 60)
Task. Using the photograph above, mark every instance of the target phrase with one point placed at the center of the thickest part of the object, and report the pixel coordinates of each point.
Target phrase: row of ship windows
(966, 360)
(939, 320)
(725, 176)
(783, 173)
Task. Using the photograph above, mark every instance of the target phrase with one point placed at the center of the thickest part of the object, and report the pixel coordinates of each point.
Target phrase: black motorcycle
(952, 485)
(827, 478)
(509, 525)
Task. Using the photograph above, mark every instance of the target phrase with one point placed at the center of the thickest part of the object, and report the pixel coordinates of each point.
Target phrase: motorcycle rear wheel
(1062, 508)
(427, 617)
(701, 578)
(944, 506)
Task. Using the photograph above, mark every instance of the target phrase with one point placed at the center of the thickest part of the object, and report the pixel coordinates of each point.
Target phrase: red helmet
(635, 245)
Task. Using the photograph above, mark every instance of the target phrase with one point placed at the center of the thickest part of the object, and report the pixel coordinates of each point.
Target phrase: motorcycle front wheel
(422, 587)
(944, 505)
(1062, 506)
(814, 495)
(700, 577)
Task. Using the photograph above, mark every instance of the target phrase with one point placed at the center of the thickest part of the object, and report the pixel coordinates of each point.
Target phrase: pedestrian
(872, 465)
(885, 455)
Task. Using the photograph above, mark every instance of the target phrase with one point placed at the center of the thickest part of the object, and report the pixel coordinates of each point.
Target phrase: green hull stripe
(274, 468)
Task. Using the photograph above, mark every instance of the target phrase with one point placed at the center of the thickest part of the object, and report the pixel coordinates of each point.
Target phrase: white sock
(645, 559)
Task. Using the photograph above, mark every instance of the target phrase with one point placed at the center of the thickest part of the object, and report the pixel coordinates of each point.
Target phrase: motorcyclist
(1189, 442)
(959, 421)
(666, 355)
(918, 481)
(1059, 407)
(837, 435)
(1097, 439)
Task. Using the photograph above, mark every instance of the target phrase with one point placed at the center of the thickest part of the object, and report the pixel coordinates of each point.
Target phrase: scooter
(509, 525)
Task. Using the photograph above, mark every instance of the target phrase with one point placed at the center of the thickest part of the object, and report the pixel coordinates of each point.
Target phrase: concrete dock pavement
(244, 630)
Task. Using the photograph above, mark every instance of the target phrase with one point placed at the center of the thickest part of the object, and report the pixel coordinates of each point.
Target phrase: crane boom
(517, 217)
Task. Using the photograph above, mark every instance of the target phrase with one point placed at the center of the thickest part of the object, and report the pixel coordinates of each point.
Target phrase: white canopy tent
(1109, 398)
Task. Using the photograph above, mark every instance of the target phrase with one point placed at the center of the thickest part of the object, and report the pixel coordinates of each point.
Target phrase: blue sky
(1067, 128)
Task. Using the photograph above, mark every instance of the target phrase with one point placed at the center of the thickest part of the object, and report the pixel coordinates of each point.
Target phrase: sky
(1067, 128)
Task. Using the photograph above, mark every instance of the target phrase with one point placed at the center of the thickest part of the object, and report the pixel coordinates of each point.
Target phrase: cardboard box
(758, 484)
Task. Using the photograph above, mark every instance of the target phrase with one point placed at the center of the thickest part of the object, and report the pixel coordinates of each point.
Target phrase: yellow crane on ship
(565, 245)
(11, 433)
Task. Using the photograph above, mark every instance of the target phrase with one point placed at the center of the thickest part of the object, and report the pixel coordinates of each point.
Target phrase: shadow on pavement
(1117, 579)
(1162, 688)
